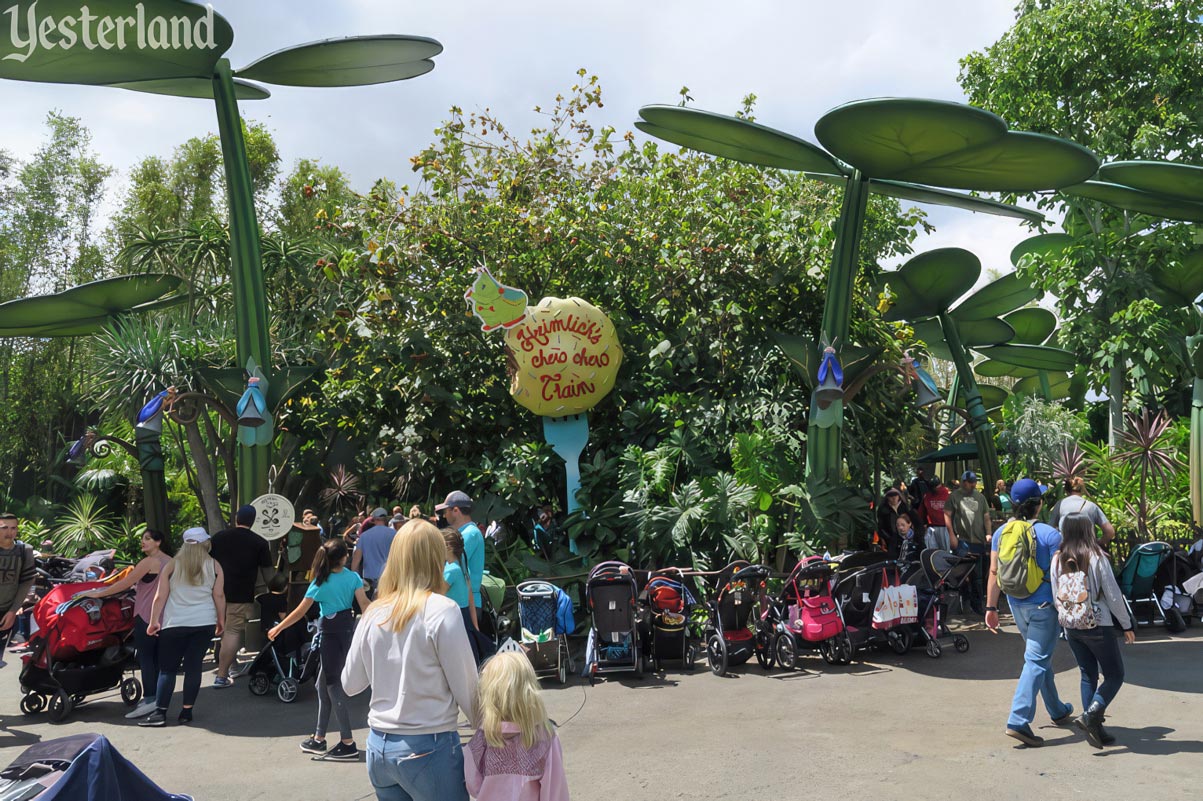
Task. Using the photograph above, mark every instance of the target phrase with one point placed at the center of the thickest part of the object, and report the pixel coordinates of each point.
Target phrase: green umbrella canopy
(959, 452)
(974, 333)
(992, 369)
(1164, 178)
(930, 282)
(991, 395)
(48, 40)
(201, 88)
(752, 143)
(997, 297)
(87, 308)
(950, 145)
(1036, 357)
(350, 61)
(1129, 199)
(1181, 280)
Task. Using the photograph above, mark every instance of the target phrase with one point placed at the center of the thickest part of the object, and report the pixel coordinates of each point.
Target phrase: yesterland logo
(27, 32)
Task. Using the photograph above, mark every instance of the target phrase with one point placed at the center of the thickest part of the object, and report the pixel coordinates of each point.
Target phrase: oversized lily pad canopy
(929, 283)
(201, 88)
(86, 309)
(1165, 178)
(1036, 357)
(752, 143)
(992, 369)
(1041, 246)
(974, 333)
(350, 61)
(48, 41)
(997, 297)
(1059, 384)
(1181, 280)
(1033, 326)
(949, 145)
(1129, 199)
(991, 395)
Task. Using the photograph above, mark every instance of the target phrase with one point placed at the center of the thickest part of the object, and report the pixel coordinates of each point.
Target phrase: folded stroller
(805, 616)
(612, 595)
(81, 648)
(669, 604)
(937, 572)
(739, 598)
(81, 767)
(545, 625)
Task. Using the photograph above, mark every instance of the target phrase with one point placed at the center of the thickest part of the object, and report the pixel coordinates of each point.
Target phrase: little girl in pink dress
(515, 754)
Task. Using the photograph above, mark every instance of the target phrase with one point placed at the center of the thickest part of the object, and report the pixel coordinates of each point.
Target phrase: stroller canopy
(91, 770)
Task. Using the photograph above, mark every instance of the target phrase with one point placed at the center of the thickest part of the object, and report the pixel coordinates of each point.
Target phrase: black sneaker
(312, 746)
(346, 752)
(157, 719)
(185, 716)
(1025, 735)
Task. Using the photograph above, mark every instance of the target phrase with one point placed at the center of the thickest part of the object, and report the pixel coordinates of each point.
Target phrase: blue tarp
(100, 773)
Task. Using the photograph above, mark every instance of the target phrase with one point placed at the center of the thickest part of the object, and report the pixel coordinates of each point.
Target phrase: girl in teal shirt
(334, 588)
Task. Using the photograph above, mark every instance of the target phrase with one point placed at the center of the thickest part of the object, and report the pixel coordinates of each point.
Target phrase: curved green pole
(823, 439)
(246, 270)
(154, 483)
(983, 431)
(1046, 388)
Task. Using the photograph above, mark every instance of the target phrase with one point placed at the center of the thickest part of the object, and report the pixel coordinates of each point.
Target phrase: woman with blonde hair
(412, 649)
(188, 611)
(515, 754)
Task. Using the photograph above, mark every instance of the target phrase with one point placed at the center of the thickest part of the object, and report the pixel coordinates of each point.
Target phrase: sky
(800, 57)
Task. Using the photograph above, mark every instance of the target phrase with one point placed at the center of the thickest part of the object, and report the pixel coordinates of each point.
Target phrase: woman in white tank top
(188, 611)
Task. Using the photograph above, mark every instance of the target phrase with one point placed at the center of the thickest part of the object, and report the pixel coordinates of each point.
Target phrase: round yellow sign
(565, 357)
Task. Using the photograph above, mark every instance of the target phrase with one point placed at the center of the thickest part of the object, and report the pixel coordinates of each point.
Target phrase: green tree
(1125, 78)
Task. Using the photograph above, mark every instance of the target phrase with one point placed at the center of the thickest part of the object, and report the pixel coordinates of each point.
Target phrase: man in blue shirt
(1036, 619)
(457, 508)
(371, 550)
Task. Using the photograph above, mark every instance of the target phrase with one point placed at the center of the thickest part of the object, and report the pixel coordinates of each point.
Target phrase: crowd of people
(1073, 587)
(416, 646)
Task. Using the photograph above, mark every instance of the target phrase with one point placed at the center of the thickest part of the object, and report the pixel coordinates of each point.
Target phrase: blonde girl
(515, 754)
(412, 649)
(188, 611)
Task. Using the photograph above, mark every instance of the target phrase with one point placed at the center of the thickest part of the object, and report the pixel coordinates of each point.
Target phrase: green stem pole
(246, 269)
(950, 419)
(823, 443)
(1045, 387)
(154, 485)
(983, 431)
(1196, 452)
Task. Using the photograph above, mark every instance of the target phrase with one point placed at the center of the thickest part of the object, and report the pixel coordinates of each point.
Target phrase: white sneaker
(141, 710)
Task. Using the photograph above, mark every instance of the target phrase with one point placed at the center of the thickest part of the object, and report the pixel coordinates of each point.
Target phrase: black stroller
(614, 646)
(857, 586)
(734, 610)
(937, 572)
(544, 636)
(287, 663)
(669, 604)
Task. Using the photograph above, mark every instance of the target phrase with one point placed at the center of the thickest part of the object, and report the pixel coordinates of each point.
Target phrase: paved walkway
(888, 728)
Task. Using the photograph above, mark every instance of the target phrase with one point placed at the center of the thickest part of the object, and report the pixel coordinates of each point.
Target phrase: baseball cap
(196, 535)
(456, 499)
(245, 516)
(380, 512)
(1024, 490)
(969, 475)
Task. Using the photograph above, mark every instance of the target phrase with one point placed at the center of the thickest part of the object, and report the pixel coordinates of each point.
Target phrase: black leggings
(182, 646)
(148, 658)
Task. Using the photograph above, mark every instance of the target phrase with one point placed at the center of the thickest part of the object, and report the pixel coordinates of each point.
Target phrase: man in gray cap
(371, 549)
(457, 508)
(967, 515)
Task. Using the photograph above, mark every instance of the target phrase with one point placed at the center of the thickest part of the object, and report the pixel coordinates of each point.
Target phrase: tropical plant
(84, 526)
(343, 493)
(1034, 433)
(1148, 453)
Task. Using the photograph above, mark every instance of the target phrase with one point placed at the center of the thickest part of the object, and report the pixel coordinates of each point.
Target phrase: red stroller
(81, 648)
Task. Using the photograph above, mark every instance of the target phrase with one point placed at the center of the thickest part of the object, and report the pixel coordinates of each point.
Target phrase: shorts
(236, 617)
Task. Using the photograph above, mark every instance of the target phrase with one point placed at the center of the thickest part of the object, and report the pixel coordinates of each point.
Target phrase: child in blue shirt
(334, 588)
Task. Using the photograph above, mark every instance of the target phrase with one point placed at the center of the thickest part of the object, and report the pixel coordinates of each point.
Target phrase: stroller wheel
(828, 652)
(716, 654)
(260, 684)
(933, 649)
(640, 659)
(288, 690)
(765, 652)
(593, 674)
(60, 706)
(843, 649)
(900, 640)
(33, 703)
(787, 651)
(562, 673)
(961, 643)
(131, 691)
(691, 655)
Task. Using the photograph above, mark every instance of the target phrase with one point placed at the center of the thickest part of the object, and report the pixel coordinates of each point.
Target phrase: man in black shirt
(16, 576)
(241, 554)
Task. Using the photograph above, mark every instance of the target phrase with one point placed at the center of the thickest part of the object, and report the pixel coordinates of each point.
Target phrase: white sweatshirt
(418, 675)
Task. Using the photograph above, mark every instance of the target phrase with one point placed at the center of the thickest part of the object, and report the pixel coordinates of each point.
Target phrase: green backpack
(1019, 575)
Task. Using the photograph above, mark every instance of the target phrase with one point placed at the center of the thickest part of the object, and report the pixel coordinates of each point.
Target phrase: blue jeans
(417, 767)
(1097, 649)
(1038, 625)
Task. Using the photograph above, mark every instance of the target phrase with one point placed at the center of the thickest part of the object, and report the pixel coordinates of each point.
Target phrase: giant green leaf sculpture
(174, 47)
(905, 148)
(87, 308)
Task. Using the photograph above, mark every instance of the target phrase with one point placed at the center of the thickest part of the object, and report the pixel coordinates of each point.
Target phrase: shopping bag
(908, 604)
(885, 611)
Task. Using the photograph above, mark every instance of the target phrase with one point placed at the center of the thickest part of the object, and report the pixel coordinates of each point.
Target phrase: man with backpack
(1021, 555)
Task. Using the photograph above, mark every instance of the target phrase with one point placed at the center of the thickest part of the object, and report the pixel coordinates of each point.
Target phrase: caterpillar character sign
(563, 358)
